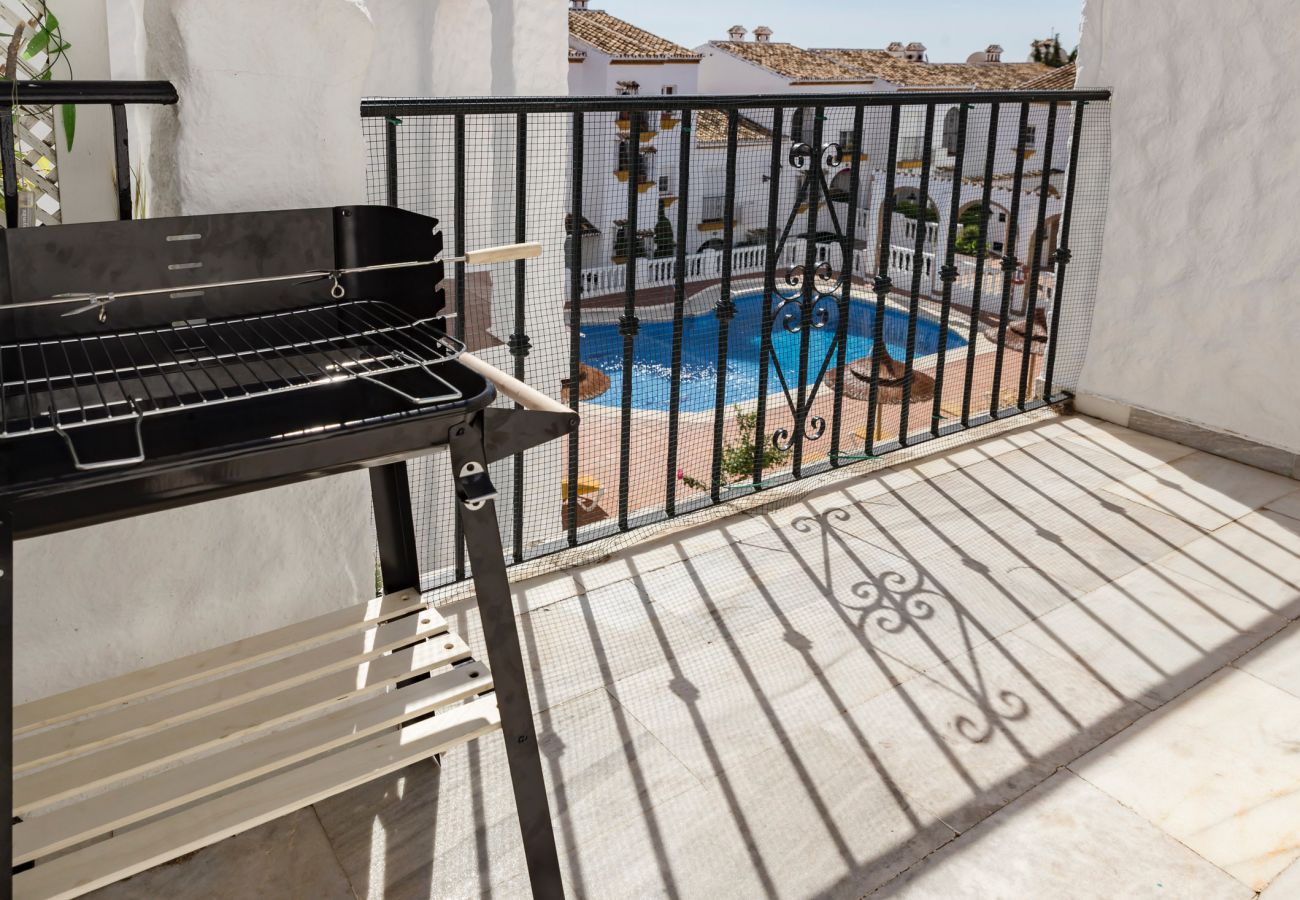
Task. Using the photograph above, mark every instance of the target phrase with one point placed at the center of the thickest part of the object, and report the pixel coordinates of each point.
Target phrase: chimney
(737, 32)
(578, 4)
(915, 52)
(993, 53)
(895, 48)
(762, 34)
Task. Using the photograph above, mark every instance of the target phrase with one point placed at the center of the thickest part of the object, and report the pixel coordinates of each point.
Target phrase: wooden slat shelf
(199, 749)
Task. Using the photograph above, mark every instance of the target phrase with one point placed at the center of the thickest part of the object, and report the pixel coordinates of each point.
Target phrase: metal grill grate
(69, 382)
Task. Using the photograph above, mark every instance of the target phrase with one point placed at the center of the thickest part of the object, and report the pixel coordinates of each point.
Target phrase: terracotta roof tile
(794, 63)
(710, 127)
(908, 73)
(622, 39)
(1061, 79)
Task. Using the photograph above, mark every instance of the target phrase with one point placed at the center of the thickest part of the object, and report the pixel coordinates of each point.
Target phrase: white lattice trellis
(34, 142)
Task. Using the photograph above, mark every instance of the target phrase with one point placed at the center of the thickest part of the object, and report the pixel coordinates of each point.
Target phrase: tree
(665, 244)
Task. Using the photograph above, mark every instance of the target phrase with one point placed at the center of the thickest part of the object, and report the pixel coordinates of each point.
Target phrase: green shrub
(738, 455)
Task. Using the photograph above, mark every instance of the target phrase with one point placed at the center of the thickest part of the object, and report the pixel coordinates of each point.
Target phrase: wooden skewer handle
(516, 390)
(504, 253)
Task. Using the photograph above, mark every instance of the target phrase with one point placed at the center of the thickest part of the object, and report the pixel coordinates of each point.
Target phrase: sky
(950, 29)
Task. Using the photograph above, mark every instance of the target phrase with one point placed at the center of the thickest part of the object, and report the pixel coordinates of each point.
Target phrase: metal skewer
(98, 301)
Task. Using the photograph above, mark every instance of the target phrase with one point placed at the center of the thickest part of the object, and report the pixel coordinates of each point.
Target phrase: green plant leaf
(41, 39)
(69, 114)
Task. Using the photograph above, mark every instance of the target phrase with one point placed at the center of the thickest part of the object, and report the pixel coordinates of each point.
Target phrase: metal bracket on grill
(411, 398)
(138, 420)
(473, 486)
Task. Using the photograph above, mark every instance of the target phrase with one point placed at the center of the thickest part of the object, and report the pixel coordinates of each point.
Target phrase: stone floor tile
(1277, 660)
(1153, 633)
(1218, 770)
(1143, 450)
(1207, 491)
(751, 691)
(816, 822)
(1064, 839)
(287, 857)
(1047, 708)
(450, 831)
(1256, 557)
(1287, 505)
(1285, 886)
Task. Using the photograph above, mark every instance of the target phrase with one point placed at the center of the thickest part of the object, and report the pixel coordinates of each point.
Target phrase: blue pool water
(601, 347)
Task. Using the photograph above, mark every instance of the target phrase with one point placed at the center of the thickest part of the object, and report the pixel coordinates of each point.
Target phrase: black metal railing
(841, 304)
(116, 94)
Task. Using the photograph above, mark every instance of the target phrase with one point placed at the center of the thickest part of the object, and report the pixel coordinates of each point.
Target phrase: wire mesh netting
(735, 297)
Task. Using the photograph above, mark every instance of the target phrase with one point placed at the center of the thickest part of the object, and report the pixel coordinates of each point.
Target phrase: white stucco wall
(86, 171)
(461, 48)
(1198, 310)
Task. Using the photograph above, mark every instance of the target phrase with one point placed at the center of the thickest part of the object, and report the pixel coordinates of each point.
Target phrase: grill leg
(399, 562)
(487, 559)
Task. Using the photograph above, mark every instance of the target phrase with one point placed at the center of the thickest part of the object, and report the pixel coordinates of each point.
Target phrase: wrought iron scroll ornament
(806, 301)
(896, 601)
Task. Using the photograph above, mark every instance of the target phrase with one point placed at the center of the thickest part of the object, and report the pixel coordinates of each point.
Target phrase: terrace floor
(1062, 661)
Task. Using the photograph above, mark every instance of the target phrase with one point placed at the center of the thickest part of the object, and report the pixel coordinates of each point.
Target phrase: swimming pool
(601, 347)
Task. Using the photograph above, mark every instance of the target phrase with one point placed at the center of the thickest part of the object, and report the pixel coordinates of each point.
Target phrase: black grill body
(146, 402)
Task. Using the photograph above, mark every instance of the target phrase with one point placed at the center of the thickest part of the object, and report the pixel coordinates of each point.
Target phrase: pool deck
(598, 441)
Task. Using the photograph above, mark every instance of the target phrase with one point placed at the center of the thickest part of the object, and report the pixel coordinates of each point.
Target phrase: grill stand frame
(482, 437)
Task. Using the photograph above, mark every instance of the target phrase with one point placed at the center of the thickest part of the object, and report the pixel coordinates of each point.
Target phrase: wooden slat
(166, 676)
(213, 820)
(84, 773)
(115, 809)
(156, 713)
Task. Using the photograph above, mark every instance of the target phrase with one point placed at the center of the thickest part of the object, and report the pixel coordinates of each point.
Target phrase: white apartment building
(609, 56)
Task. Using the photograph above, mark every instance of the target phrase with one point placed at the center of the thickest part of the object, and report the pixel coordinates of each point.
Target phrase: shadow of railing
(946, 585)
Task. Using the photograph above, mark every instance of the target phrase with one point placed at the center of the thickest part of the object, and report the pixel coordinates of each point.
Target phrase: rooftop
(1002, 670)
(909, 73)
(620, 39)
(799, 65)
(1059, 79)
(711, 128)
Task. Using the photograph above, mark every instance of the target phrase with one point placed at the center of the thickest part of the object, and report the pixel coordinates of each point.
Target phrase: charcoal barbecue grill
(152, 364)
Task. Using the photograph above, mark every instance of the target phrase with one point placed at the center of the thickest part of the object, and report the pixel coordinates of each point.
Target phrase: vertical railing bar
(1035, 265)
(977, 293)
(914, 297)
(390, 158)
(949, 272)
(1063, 251)
(519, 337)
(882, 284)
(725, 309)
(769, 292)
(808, 288)
(628, 323)
(10, 166)
(458, 218)
(679, 301)
(577, 148)
(122, 162)
(846, 302)
(1009, 261)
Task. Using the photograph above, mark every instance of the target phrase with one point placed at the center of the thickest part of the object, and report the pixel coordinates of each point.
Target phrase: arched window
(950, 130)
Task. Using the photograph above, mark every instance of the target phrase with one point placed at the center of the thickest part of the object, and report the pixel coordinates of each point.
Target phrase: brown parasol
(889, 384)
(1023, 339)
(591, 383)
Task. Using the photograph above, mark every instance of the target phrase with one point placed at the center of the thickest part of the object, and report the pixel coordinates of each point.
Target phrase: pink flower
(680, 474)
